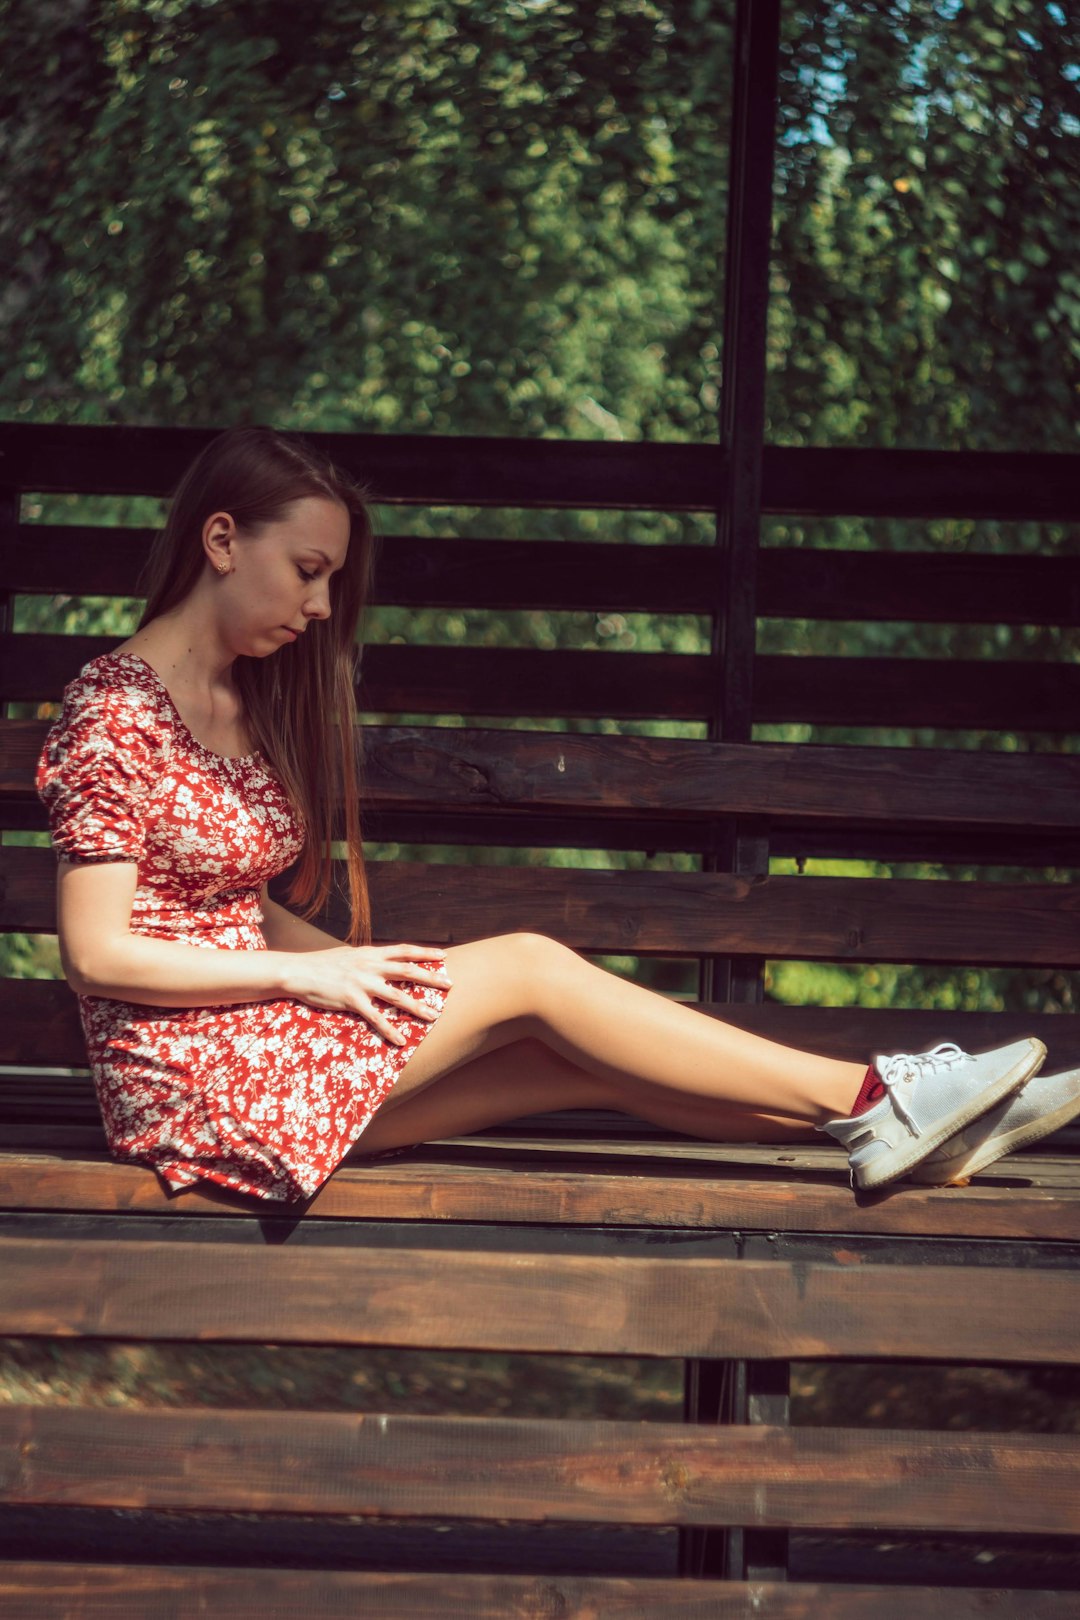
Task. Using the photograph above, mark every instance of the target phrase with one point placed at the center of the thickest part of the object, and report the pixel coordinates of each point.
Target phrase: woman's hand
(349, 978)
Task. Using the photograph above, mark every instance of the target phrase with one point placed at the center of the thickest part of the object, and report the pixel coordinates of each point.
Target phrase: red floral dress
(264, 1097)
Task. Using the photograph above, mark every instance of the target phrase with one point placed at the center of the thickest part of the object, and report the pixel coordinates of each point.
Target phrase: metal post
(720, 1391)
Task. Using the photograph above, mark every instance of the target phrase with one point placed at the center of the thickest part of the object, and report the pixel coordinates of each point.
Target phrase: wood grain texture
(991, 694)
(558, 774)
(573, 1304)
(417, 469)
(539, 1469)
(665, 1186)
(675, 913)
(30, 1591)
(478, 470)
(828, 919)
(516, 681)
(413, 571)
(917, 586)
(438, 680)
(563, 576)
(39, 1025)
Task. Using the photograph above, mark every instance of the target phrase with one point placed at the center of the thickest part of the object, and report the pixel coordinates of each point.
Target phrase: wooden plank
(518, 681)
(572, 1304)
(922, 587)
(813, 481)
(97, 1591)
(420, 469)
(673, 913)
(597, 1181)
(992, 694)
(475, 768)
(39, 1026)
(523, 682)
(39, 1021)
(437, 680)
(811, 919)
(413, 570)
(410, 767)
(452, 469)
(566, 575)
(393, 1465)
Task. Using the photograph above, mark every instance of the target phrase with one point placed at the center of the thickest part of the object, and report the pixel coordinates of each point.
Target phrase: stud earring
(223, 568)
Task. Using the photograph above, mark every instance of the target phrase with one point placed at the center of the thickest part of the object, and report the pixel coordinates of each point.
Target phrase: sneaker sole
(891, 1166)
(960, 1169)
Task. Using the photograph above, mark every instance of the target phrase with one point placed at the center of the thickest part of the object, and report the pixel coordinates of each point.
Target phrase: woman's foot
(1040, 1106)
(929, 1097)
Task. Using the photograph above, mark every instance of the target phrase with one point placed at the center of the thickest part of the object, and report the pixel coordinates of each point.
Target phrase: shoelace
(908, 1066)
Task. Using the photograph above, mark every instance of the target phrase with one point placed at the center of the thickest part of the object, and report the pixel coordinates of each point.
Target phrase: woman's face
(279, 578)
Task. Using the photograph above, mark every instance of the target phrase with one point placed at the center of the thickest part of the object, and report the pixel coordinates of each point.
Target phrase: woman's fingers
(398, 998)
(417, 975)
(415, 953)
(382, 1026)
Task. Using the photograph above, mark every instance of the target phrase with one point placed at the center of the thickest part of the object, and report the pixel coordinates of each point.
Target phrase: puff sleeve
(98, 769)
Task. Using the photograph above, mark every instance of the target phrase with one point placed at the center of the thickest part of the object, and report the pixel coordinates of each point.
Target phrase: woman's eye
(304, 574)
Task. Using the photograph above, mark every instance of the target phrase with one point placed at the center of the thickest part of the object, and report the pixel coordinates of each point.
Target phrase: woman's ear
(217, 536)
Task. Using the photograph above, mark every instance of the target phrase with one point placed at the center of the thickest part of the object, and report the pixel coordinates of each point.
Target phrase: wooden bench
(579, 1235)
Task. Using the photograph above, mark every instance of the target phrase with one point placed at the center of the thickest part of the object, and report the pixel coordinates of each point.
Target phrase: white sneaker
(1040, 1106)
(929, 1096)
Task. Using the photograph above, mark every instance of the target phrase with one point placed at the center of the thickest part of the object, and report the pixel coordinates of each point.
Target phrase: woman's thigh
(519, 1078)
(492, 1003)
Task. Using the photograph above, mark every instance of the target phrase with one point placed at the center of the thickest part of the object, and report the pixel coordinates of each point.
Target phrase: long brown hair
(300, 702)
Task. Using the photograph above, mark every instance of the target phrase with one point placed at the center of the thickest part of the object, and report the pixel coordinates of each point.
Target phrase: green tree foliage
(926, 290)
(415, 214)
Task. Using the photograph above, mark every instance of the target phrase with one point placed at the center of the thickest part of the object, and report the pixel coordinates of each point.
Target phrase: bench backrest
(643, 1251)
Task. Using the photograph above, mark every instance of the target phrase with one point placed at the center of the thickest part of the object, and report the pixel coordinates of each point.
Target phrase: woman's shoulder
(117, 691)
(117, 671)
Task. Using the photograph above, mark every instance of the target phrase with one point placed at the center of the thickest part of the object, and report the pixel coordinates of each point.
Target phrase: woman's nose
(317, 605)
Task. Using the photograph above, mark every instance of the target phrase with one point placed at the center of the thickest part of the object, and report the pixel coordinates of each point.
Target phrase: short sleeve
(99, 766)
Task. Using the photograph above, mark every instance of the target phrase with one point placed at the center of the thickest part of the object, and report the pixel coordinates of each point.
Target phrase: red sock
(870, 1092)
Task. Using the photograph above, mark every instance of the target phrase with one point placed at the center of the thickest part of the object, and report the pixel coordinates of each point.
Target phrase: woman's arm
(102, 957)
(283, 930)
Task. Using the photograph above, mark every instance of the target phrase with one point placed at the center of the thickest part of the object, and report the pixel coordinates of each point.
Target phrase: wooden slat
(413, 570)
(409, 767)
(812, 919)
(39, 1023)
(436, 680)
(564, 576)
(988, 695)
(574, 1304)
(535, 1469)
(517, 681)
(418, 468)
(814, 481)
(451, 469)
(917, 586)
(671, 1185)
(552, 575)
(902, 692)
(39, 1026)
(132, 1592)
(677, 913)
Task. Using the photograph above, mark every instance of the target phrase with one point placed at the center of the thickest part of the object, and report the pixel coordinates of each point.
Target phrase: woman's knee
(520, 953)
(512, 978)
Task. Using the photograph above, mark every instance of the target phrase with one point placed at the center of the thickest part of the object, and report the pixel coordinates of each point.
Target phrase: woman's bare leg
(527, 1077)
(526, 986)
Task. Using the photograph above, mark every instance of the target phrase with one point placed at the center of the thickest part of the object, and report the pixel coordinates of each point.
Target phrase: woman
(232, 1041)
